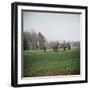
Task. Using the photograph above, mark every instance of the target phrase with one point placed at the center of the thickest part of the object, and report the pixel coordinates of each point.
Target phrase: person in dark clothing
(69, 47)
(55, 46)
(44, 46)
(64, 46)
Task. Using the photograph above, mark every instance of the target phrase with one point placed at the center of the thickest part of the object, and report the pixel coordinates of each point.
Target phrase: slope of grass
(49, 63)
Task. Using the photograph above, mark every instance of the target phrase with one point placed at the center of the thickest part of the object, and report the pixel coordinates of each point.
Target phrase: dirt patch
(47, 73)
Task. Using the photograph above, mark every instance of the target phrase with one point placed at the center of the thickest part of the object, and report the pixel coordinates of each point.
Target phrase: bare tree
(42, 40)
(26, 39)
(34, 37)
(33, 40)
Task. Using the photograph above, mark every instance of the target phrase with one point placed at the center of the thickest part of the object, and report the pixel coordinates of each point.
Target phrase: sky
(54, 26)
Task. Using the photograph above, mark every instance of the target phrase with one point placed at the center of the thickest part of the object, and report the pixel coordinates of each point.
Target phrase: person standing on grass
(64, 46)
(44, 46)
(69, 47)
(55, 46)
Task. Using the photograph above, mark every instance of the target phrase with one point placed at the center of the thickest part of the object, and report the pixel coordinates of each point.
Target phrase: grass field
(49, 63)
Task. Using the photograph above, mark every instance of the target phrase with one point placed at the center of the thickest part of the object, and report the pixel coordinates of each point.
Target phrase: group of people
(56, 46)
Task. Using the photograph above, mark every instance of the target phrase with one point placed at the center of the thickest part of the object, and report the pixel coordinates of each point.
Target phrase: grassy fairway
(49, 63)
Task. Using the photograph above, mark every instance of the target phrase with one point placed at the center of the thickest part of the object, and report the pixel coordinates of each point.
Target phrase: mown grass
(49, 63)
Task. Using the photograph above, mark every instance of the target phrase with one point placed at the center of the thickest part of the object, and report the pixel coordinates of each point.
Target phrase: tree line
(33, 40)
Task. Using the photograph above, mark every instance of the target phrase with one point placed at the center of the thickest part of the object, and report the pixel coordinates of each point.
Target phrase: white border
(53, 78)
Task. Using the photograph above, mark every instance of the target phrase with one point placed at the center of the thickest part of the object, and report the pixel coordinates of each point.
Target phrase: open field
(49, 63)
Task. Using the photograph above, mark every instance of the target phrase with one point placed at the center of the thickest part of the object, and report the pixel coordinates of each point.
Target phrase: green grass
(49, 63)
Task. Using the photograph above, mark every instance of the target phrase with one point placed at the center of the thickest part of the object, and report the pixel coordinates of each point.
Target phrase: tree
(26, 38)
(34, 39)
(42, 41)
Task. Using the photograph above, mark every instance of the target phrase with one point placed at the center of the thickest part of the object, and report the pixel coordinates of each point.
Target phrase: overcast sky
(53, 26)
